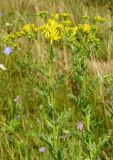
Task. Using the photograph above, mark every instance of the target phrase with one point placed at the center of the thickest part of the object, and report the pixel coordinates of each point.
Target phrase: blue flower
(8, 50)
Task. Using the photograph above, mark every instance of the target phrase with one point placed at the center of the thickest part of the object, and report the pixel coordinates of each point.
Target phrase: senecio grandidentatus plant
(84, 42)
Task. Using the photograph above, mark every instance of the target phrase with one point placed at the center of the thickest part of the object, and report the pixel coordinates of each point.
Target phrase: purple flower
(80, 126)
(42, 150)
(7, 50)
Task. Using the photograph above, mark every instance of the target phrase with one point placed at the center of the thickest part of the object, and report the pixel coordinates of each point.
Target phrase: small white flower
(2, 67)
(17, 98)
(8, 24)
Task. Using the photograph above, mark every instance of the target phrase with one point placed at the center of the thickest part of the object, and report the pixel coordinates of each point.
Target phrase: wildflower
(85, 17)
(26, 28)
(20, 33)
(52, 30)
(99, 19)
(12, 36)
(2, 67)
(80, 126)
(8, 24)
(42, 150)
(55, 16)
(64, 15)
(7, 50)
(75, 29)
(17, 98)
(34, 28)
(67, 23)
(86, 28)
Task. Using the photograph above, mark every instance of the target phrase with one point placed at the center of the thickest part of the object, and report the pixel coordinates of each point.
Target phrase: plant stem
(87, 116)
(51, 100)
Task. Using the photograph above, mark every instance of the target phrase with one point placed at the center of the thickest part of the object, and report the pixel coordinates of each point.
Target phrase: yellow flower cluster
(75, 30)
(99, 19)
(85, 17)
(86, 28)
(58, 27)
(52, 30)
(27, 28)
(64, 16)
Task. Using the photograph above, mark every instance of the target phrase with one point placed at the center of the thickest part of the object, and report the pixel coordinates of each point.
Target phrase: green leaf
(58, 83)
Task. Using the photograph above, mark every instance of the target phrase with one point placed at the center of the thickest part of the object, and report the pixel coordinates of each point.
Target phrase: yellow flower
(86, 28)
(20, 33)
(99, 19)
(26, 28)
(34, 28)
(64, 15)
(55, 16)
(85, 17)
(13, 36)
(67, 23)
(52, 30)
(75, 29)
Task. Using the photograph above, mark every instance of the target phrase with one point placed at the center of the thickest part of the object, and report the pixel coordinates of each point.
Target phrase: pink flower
(80, 126)
(42, 150)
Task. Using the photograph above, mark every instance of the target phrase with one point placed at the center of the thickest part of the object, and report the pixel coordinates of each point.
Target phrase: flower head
(85, 17)
(99, 19)
(85, 28)
(42, 150)
(8, 24)
(80, 126)
(26, 28)
(17, 99)
(2, 67)
(8, 50)
(75, 30)
(52, 30)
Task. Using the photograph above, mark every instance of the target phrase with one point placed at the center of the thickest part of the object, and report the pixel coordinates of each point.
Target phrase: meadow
(56, 80)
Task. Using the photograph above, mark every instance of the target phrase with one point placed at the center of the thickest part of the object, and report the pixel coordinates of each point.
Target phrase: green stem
(51, 99)
(55, 138)
(87, 116)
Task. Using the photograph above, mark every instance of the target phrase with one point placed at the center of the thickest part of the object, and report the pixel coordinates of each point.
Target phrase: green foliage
(52, 106)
